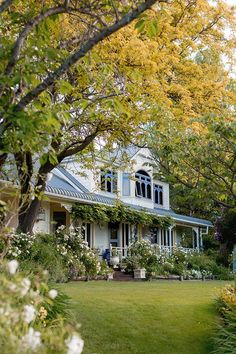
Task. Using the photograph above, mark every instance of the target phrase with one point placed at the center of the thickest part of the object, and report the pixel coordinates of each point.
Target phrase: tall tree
(201, 158)
(42, 90)
(53, 104)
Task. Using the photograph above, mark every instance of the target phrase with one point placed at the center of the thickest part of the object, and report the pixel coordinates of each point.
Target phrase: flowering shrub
(225, 340)
(65, 254)
(79, 257)
(192, 265)
(141, 256)
(20, 245)
(31, 320)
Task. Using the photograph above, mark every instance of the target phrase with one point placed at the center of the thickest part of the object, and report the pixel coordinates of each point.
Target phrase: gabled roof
(57, 182)
(72, 179)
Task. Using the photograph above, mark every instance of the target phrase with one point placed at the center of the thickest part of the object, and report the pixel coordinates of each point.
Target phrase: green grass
(145, 317)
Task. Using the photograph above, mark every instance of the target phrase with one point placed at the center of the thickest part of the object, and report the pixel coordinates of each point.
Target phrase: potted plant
(114, 258)
(139, 270)
(140, 273)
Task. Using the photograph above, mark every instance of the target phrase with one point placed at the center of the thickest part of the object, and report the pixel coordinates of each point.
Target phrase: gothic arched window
(143, 186)
(109, 181)
(158, 194)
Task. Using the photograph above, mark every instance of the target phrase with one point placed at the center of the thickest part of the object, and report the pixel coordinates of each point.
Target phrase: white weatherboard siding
(86, 177)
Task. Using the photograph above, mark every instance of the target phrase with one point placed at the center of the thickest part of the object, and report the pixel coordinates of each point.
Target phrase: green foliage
(228, 228)
(65, 255)
(118, 213)
(225, 339)
(44, 256)
(192, 265)
(201, 262)
(141, 256)
(34, 318)
(60, 306)
(207, 162)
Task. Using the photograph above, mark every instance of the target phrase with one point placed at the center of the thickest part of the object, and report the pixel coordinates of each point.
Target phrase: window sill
(140, 197)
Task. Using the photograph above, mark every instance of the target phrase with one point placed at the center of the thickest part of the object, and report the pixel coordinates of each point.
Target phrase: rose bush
(64, 254)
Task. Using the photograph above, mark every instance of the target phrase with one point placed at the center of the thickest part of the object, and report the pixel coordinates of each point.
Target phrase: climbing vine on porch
(118, 213)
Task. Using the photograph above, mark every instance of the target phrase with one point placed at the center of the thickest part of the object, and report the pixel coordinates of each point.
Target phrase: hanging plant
(118, 213)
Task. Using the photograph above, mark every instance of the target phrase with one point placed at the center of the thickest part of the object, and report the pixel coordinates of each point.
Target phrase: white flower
(29, 313)
(75, 344)
(25, 286)
(12, 266)
(32, 339)
(52, 293)
(12, 287)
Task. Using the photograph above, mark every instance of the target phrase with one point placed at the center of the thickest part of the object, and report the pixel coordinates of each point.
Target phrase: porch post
(93, 234)
(193, 237)
(201, 240)
(173, 236)
(196, 229)
(171, 241)
(160, 235)
(166, 237)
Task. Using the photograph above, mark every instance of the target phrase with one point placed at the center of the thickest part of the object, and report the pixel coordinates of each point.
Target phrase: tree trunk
(28, 217)
(29, 209)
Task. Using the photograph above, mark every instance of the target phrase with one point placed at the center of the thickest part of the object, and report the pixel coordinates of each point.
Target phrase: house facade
(135, 187)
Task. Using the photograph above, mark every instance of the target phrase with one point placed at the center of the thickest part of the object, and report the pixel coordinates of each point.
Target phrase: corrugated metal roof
(97, 198)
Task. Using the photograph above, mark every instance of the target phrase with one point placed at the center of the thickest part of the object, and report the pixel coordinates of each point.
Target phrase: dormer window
(109, 181)
(158, 194)
(143, 185)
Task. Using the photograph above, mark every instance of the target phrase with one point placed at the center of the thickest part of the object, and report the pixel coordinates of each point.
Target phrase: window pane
(108, 186)
(108, 181)
(143, 190)
(161, 198)
(158, 194)
(138, 189)
(143, 184)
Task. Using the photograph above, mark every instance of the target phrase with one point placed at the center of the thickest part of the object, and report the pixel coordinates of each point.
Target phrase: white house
(135, 187)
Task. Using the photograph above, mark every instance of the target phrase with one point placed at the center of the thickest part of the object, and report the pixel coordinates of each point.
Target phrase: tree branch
(28, 27)
(83, 50)
(5, 5)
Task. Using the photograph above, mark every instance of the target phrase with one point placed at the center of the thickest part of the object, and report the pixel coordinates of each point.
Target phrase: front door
(114, 234)
(59, 219)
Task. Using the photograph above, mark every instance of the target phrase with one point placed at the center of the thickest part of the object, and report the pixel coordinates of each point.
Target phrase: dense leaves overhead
(76, 72)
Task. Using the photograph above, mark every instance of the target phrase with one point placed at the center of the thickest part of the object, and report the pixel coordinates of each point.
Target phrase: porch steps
(121, 276)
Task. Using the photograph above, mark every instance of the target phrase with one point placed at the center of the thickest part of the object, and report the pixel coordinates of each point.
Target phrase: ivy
(118, 213)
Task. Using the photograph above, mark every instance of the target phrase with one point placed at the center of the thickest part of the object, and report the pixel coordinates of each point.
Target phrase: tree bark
(28, 211)
(5, 4)
(28, 218)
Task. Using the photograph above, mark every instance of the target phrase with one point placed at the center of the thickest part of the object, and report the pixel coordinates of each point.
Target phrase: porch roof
(90, 198)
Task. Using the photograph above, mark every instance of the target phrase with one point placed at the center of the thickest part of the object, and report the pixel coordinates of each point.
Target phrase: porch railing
(123, 252)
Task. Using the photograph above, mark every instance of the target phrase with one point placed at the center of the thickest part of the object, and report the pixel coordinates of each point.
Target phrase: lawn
(145, 317)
